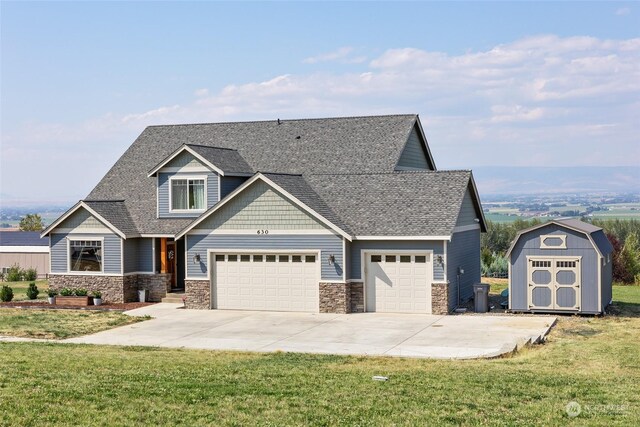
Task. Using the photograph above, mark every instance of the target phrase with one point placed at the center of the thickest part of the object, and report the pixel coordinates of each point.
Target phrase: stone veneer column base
(198, 294)
(439, 298)
(334, 298)
(356, 290)
(156, 285)
(111, 287)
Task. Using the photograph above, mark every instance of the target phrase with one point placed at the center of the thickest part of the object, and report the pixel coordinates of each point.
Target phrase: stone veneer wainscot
(198, 294)
(440, 298)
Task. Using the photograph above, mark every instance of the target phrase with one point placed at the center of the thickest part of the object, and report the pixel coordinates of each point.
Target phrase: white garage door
(276, 282)
(398, 283)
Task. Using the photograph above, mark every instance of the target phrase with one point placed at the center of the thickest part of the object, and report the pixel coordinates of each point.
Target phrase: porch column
(163, 255)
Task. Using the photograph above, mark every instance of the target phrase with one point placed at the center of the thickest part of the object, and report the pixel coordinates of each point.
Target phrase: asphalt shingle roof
(410, 203)
(227, 159)
(335, 145)
(114, 211)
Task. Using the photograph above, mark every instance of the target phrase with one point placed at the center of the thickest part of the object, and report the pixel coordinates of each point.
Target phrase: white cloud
(623, 11)
(541, 100)
(342, 54)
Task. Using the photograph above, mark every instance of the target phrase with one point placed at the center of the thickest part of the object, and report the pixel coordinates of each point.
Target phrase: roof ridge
(392, 173)
(285, 120)
(102, 201)
(279, 173)
(210, 146)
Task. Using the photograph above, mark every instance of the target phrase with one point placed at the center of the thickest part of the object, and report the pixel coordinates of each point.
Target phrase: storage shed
(25, 248)
(561, 266)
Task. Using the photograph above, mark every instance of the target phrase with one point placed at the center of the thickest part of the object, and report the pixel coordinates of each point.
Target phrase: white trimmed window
(188, 194)
(85, 255)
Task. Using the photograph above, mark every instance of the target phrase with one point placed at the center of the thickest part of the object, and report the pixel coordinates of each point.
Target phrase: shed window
(553, 241)
(187, 194)
(85, 255)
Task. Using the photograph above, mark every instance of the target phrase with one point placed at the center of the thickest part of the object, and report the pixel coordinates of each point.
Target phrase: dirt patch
(45, 305)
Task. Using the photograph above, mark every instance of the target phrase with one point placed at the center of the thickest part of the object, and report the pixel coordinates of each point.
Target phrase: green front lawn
(20, 289)
(594, 361)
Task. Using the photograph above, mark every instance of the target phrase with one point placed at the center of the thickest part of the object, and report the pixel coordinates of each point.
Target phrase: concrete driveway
(404, 335)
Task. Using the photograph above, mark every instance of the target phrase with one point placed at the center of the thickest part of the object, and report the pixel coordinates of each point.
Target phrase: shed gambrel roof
(595, 234)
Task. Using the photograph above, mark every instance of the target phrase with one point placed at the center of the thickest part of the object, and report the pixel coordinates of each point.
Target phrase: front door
(554, 283)
(171, 262)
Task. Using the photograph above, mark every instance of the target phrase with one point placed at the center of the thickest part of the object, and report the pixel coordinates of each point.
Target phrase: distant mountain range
(556, 180)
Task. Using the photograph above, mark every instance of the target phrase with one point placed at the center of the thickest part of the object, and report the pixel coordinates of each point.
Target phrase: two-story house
(321, 215)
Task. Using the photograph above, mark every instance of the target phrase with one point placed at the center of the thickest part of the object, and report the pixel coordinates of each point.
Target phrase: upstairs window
(188, 194)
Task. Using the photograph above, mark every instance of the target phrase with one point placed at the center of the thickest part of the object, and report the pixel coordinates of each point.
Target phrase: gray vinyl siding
(163, 193)
(577, 245)
(138, 255)
(398, 245)
(606, 279)
(230, 183)
(111, 251)
(130, 247)
(414, 155)
(463, 251)
(468, 213)
(328, 244)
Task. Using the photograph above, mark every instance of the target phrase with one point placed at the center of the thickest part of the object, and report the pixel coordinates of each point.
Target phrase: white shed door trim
(553, 283)
(265, 280)
(398, 281)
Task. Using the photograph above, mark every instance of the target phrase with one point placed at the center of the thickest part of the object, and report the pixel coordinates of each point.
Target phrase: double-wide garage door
(398, 283)
(262, 281)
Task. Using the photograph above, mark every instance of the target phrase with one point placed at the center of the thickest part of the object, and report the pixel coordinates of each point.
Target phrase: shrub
(32, 291)
(499, 267)
(52, 293)
(15, 273)
(97, 294)
(66, 292)
(6, 294)
(81, 292)
(30, 274)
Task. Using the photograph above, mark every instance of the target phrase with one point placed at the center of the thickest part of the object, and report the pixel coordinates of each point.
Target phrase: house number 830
(263, 231)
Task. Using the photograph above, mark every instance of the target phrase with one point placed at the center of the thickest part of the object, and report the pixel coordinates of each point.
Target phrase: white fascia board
(82, 204)
(24, 249)
(402, 238)
(426, 143)
(477, 197)
(190, 151)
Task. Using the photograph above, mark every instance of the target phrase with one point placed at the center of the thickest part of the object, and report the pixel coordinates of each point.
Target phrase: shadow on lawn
(624, 309)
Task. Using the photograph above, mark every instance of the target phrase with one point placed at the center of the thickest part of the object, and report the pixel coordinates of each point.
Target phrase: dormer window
(188, 194)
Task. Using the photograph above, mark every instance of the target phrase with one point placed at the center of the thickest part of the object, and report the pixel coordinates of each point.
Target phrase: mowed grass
(59, 324)
(20, 289)
(594, 361)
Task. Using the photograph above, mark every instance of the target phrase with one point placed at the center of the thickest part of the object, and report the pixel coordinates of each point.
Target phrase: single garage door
(276, 282)
(398, 283)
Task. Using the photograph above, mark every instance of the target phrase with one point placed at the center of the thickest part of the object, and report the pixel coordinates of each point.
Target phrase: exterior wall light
(332, 259)
(196, 258)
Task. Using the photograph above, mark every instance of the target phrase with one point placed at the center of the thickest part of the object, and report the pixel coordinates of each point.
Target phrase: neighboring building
(25, 248)
(561, 266)
(321, 215)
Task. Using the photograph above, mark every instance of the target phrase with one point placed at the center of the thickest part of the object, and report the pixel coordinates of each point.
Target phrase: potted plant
(97, 298)
(52, 296)
(77, 297)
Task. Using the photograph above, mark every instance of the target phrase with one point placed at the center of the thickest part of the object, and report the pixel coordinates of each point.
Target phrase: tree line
(624, 236)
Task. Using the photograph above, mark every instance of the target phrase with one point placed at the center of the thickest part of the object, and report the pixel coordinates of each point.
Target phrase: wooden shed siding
(37, 260)
(577, 245)
(358, 245)
(163, 193)
(468, 214)
(259, 207)
(606, 278)
(230, 183)
(111, 251)
(326, 243)
(414, 154)
(82, 219)
(463, 251)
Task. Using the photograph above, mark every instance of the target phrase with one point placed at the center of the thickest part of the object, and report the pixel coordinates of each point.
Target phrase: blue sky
(504, 83)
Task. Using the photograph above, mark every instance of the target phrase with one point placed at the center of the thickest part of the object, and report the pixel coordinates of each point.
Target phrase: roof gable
(93, 215)
(220, 160)
(416, 154)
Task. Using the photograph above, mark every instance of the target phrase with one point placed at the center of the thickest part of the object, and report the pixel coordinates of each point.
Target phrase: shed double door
(554, 283)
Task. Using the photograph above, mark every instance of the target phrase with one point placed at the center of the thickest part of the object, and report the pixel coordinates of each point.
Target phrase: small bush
(6, 294)
(52, 293)
(30, 274)
(66, 292)
(15, 273)
(81, 292)
(32, 291)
